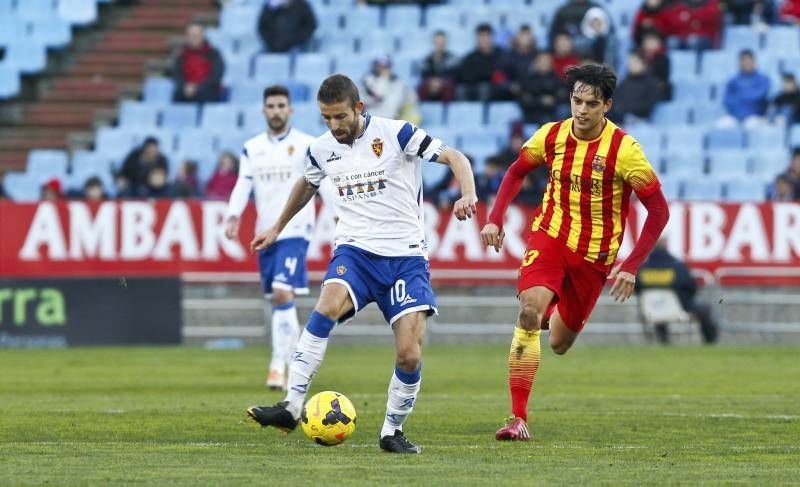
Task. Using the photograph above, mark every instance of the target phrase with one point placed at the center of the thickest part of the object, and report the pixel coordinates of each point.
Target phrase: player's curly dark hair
(336, 89)
(601, 77)
(276, 90)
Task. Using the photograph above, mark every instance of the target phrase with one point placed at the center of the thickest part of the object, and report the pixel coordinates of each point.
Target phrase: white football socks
(402, 397)
(304, 364)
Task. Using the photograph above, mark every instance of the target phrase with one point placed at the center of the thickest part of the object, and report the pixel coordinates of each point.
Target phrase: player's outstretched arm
(301, 194)
(465, 207)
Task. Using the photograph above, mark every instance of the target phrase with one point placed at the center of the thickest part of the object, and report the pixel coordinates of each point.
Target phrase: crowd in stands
(522, 66)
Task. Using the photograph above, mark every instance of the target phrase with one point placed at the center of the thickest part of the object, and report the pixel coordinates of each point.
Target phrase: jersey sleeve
(533, 150)
(313, 172)
(415, 142)
(634, 168)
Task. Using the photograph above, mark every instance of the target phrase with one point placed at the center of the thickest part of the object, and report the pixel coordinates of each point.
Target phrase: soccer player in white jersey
(270, 164)
(380, 250)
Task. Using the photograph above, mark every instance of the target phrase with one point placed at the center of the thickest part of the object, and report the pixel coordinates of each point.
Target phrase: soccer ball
(328, 418)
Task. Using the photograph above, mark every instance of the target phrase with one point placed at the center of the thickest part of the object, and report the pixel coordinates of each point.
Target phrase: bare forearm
(301, 194)
(461, 168)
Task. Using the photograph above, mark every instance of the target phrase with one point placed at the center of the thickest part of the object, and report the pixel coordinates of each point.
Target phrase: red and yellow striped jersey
(586, 200)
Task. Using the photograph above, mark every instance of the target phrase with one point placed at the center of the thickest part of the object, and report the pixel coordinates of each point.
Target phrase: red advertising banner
(744, 242)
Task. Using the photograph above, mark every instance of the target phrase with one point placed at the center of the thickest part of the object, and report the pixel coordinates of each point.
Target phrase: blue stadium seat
(782, 39)
(794, 135)
(683, 163)
(400, 19)
(418, 45)
(28, 56)
(237, 68)
(308, 119)
(692, 89)
(195, 143)
(89, 163)
(432, 113)
(441, 16)
(702, 189)
(683, 65)
(138, 115)
(529, 129)
(769, 163)
(51, 31)
(165, 138)
(353, 66)
(477, 15)
(372, 44)
(708, 113)
(22, 187)
(671, 187)
(253, 119)
(728, 163)
(433, 173)
(362, 18)
(36, 9)
(12, 30)
(80, 12)
(478, 146)
(179, 116)
(338, 43)
(47, 163)
(684, 138)
(9, 81)
(298, 92)
(114, 142)
(6, 6)
(719, 65)
(649, 137)
(245, 91)
(219, 117)
(738, 37)
(766, 137)
(467, 114)
(744, 190)
(502, 114)
(158, 90)
(671, 113)
(724, 138)
(312, 68)
(238, 18)
(271, 68)
(232, 141)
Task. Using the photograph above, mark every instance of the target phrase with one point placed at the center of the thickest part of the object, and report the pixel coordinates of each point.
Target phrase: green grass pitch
(631, 415)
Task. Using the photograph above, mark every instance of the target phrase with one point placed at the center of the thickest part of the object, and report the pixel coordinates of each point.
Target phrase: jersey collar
(367, 118)
(281, 137)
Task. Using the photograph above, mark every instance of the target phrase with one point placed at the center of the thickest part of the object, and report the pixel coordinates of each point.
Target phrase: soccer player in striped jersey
(577, 230)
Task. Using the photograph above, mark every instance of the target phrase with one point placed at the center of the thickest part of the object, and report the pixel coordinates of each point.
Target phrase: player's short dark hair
(746, 52)
(601, 77)
(796, 151)
(484, 28)
(276, 90)
(336, 89)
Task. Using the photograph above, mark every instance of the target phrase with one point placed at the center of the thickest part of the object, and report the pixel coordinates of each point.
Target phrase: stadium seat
(441, 16)
(362, 18)
(722, 139)
(372, 44)
(298, 92)
(417, 46)
(744, 190)
(671, 113)
(88, 162)
(28, 56)
(684, 138)
(238, 18)
(253, 119)
(768, 163)
(707, 114)
(12, 29)
(433, 174)
(51, 31)
(432, 113)
(237, 68)
(479, 14)
(311, 69)
(165, 138)
(400, 19)
(138, 115)
(246, 92)
(738, 37)
(671, 187)
(702, 189)
(232, 141)
(179, 116)
(683, 163)
(766, 137)
(9, 81)
(719, 65)
(272, 68)
(219, 117)
(692, 90)
(466, 114)
(114, 142)
(794, 135)
(307, 118)
(353, 66)
(195, 143)
(502, 114)
(338, 43)
(46, 163)
(21, 187)
(683, 65)
(728, 163)
(782, 39)
(36, 9)
(158, 90)
(650, 138)
(80, 12)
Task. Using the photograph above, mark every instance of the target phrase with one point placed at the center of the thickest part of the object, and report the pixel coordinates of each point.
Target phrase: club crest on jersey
(377, 147)
(290, 150)
(599, 163)
(340, 270)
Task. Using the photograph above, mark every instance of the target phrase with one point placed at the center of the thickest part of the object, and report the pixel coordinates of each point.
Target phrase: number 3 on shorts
(530, 256)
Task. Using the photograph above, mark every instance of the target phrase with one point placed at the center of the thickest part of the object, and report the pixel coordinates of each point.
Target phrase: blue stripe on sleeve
(244, 152)
(404, 135)
(311, 158)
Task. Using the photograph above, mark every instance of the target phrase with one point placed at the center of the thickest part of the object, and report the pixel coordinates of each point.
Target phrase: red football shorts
(576, 282)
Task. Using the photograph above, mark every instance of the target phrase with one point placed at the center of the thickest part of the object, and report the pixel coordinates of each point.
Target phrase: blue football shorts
(282, 265)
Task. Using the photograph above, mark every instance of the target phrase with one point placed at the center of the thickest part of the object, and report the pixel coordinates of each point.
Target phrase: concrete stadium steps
(116, 59)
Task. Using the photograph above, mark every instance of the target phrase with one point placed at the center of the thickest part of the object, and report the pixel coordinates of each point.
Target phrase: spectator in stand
(223, 180)
(790, 11)
(286, 25)
(654, 55)
(568, 19)
(746, 94)
(93, 189)
(510, 152)
(655, 15)
(386, 95)
(481, 75)
(523, 52)
(187, 184)
(438, 72)
(541, 91)
(137, 166)
(536, 181)
(198, 69)
(792, 173)
(488, 182)
(785, 108)
(699, 24)
(636, 95)
(662, 270)
(564, 54)
(157, 184)
(597, 35)
(750, 12)
(52, 190)
(783, 189)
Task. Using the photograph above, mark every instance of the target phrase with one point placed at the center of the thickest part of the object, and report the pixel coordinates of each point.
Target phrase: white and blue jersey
(380, 252)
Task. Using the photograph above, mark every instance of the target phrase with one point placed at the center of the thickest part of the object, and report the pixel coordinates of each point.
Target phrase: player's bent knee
(280, 297)
(530, 317)
(408, 361)
(560, 347)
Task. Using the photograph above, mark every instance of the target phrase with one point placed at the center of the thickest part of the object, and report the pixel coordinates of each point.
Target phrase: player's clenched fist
(492, 236)
(264, 239)
(465, 207)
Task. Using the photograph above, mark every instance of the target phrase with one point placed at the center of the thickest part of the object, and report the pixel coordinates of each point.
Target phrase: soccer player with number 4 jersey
(380, 251)
(576, 231)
